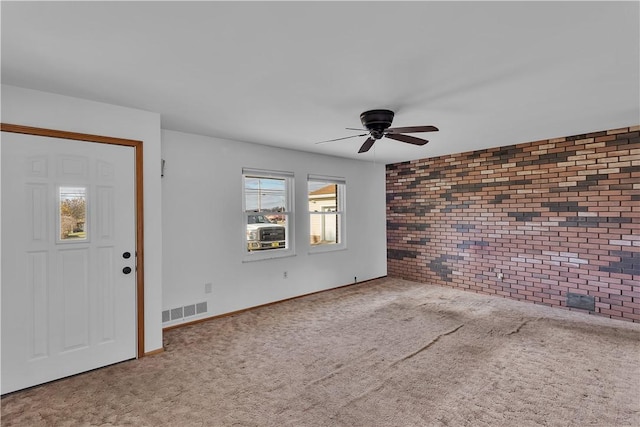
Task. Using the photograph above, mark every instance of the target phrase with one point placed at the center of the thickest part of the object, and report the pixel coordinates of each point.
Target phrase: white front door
(68, 258)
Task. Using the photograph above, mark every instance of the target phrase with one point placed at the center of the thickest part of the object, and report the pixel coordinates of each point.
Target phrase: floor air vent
(183, 312)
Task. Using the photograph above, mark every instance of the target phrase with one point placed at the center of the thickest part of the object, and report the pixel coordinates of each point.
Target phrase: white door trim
(137, 145)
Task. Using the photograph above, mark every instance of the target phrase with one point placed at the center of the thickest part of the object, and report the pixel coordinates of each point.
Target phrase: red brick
(527, 249)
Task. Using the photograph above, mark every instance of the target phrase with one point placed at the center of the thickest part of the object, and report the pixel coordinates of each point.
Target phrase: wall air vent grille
(584, 302)
(189, 310)
(176, 313)
(201, 307)
(184, 311)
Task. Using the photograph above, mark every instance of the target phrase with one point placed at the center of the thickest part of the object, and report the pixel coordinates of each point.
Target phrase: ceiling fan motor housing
(377, 121)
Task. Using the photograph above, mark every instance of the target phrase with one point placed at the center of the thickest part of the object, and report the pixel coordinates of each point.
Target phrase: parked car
(263, 233)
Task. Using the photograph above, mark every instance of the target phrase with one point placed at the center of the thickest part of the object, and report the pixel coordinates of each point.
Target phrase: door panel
(73, 276)
(38, 309)
(68, 214)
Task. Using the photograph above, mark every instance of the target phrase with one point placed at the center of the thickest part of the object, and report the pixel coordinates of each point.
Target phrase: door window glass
(73, 213)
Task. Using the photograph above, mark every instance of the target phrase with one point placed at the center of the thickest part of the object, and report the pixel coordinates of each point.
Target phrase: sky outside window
(265, 194)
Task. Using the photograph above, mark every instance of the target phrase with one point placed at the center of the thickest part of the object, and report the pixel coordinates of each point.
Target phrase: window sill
(261, 256)
(326, 249)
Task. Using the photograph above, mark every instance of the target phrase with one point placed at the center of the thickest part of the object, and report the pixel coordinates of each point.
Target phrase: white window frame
(287, 251)
(341, 212)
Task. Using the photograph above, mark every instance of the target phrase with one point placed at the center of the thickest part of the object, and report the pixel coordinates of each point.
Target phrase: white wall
(193, 219)
(203, 225)
(45, 110)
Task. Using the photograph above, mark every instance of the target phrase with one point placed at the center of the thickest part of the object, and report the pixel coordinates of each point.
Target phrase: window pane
(73, 213)
(324, 226)
(265, 232)
(324, 229)
(322, 195)
(265, 194)
(266, 217)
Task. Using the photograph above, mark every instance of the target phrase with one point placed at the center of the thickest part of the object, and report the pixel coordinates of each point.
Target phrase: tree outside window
(73, 213)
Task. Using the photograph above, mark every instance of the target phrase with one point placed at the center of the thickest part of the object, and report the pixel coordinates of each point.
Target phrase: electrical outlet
(207, 288)
(285, 275)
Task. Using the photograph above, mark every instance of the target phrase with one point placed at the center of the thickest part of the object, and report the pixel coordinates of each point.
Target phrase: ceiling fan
(378, 123)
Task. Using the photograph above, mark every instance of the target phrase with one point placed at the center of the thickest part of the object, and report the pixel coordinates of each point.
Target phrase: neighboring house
(324, 228)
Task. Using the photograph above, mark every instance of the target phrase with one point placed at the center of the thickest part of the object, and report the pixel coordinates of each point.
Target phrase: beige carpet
(383, 353)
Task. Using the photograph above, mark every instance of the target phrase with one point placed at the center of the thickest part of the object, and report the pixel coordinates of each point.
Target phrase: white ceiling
(290, 74)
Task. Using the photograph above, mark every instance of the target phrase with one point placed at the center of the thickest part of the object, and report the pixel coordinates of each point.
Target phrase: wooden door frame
(139, 191)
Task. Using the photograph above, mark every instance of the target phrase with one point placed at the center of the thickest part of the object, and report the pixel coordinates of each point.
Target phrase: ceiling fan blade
(412, 129)
(407, 138)
(367, 145)
(339, 139)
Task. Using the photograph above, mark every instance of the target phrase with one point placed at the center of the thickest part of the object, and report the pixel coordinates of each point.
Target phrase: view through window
(326, 212)
(267, 210)
(73, 213)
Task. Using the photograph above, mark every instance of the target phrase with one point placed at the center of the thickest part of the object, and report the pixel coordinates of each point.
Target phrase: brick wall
(558, 219)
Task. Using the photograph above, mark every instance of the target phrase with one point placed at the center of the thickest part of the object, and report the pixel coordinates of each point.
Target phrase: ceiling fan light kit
(378, 123)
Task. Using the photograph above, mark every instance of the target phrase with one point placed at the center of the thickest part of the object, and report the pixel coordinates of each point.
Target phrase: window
(72, 214)
(326, 213)
(267, 211)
